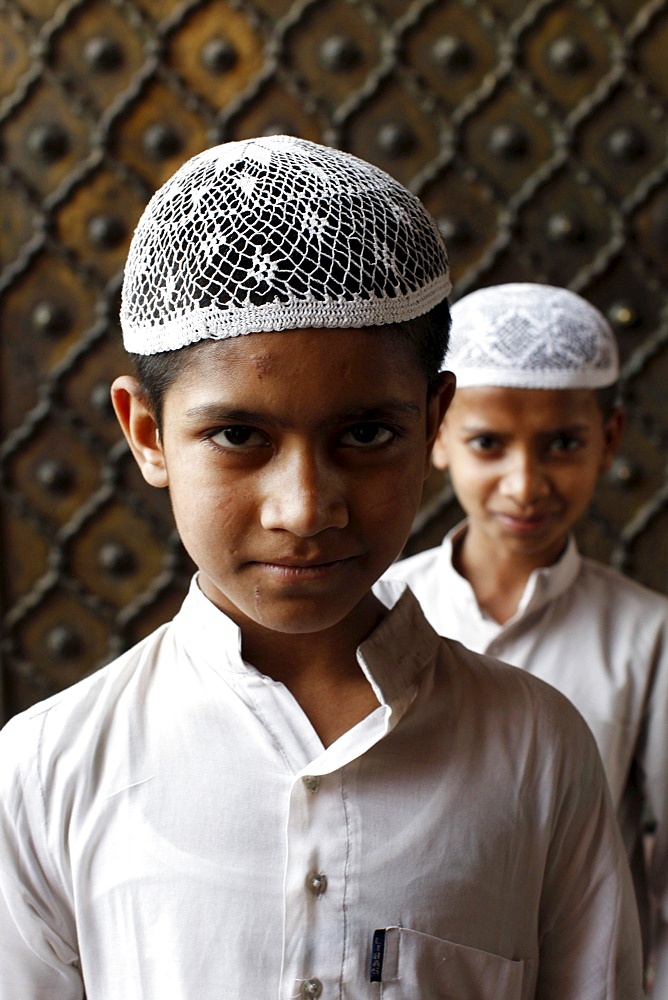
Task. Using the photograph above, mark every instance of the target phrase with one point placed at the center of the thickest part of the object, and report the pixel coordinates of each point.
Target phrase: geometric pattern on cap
(531, 336)
(277, 233)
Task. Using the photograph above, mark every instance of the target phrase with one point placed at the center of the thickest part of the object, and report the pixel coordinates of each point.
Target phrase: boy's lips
(526, 522)
(302, 568)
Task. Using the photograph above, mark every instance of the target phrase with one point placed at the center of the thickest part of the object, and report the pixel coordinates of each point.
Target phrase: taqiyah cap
(531, 336)
(274, 234)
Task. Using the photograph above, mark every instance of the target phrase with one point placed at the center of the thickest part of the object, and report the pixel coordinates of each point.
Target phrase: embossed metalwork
(219, 55)
(534, 131)
(51, 318)
(103, 55)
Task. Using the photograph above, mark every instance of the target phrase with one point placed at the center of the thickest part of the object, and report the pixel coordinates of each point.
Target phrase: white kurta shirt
(172, 827)
(602, 640)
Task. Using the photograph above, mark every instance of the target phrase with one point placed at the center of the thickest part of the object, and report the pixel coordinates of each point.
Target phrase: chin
(299, 623)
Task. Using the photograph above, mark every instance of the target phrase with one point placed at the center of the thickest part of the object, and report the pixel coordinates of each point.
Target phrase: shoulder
(516, 705)
(74, 720)
(505, 680)
(620, 594)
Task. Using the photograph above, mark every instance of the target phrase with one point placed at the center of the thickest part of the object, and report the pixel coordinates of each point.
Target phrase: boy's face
(524, 464)
(295, 463)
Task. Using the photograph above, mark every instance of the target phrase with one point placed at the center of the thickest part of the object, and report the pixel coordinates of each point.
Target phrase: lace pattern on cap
(277, 234)
(531, 336)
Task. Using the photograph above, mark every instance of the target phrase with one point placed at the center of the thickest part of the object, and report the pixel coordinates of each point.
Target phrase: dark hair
(608, 399)
(427, 336)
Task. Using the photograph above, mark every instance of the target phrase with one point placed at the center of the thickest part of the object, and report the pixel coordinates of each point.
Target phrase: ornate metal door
(535, 132)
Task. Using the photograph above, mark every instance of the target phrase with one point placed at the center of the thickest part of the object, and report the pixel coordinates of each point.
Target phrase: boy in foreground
(296, 789)
(532, 426)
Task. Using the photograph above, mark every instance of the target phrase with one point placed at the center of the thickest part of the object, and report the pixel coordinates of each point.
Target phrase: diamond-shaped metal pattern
(534, 132)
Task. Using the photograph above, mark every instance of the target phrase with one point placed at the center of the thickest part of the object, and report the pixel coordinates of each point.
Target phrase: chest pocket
(419, 965)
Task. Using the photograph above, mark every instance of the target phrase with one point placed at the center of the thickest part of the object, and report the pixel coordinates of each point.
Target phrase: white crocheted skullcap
(273, 234)
(531, 336)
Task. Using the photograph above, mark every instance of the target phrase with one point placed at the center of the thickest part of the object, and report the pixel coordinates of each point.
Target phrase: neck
(320, 669)
(498, 577)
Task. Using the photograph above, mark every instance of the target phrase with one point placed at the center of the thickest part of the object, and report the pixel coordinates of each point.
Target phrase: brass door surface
(534, 132)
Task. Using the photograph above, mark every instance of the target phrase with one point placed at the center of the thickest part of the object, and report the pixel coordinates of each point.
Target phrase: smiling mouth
(526, 523)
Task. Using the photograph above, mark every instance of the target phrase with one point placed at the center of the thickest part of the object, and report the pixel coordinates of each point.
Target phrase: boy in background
(532, 426)
(296, 788)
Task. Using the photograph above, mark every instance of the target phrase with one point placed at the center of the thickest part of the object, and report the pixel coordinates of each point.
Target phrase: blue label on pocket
(377, 953)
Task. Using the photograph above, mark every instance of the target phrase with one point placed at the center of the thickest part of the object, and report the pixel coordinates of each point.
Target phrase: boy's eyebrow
(483, 427)
(217, 413)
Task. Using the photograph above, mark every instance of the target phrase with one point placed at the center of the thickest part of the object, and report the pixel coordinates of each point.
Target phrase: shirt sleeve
(38, 952)
(590, 945)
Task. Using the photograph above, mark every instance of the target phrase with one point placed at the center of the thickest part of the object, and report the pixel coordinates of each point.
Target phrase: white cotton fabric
(531, 336)
(602, 640)
(160, 821)
(277, 233)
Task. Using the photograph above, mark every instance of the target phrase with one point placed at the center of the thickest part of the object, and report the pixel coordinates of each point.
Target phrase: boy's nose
(525, 482)
(304, 495)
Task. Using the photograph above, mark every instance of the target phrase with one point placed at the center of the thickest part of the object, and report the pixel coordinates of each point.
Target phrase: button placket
(317, 849)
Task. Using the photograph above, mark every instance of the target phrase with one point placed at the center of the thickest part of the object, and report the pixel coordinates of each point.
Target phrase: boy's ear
(613, 429)
(437, 407)
(140, 429)
(439, 455)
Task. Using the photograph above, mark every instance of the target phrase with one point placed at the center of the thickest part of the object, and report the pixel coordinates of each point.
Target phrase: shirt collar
(542, 587)
(400, 647)
(392, 657)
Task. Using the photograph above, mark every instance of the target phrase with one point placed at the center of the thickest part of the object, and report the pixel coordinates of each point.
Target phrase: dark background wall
(535, 133)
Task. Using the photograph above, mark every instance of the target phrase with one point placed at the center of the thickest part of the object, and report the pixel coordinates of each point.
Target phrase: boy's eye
(564, 442)
(239, 436)
(366, 435)
(484, 442)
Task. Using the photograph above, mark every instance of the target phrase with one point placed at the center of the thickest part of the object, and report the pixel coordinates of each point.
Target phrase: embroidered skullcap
(273, 234)
(531, 336)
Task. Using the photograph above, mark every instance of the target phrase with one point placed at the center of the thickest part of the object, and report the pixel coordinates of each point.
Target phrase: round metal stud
(455, 231)
(623, 315)
(49, 143)
(339, 54)
(117, 559)
(626, 144)
(219, 56)
(100, 400)
(103, 55)
(161, 141)
(624, 473)
(396, 139)
(509, 141)
(63, 643)
(55, 476)
(452, 55)
(562, 228)
(568, 56)
(51, 319)
(279, 127)
(106, 231)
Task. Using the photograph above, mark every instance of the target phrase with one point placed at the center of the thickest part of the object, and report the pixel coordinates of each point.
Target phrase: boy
(296, 789)
(532, 426)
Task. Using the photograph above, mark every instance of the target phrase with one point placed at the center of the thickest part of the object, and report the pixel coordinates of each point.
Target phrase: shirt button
(311, 988)
(316, 883)
(311, 783)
